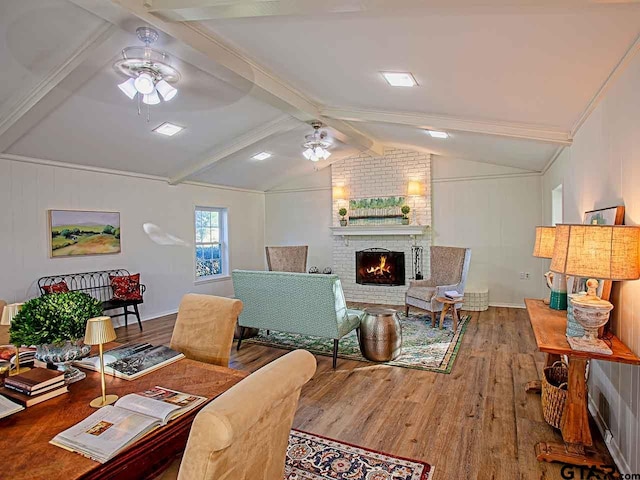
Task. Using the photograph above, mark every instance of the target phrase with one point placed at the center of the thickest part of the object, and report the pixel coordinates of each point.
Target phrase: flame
(380, 269)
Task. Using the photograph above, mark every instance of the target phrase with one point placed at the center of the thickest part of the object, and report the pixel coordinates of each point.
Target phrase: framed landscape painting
(77, 232)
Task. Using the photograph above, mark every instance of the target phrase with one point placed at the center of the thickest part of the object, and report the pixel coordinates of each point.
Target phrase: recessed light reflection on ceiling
(261, 156)
(400, 79)
(168, 129)
(437, 134)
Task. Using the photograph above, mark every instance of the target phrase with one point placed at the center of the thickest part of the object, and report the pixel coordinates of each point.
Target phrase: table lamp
(8, 313)
(543, 248)
(414, 189)
(603, 252)
(100, 331)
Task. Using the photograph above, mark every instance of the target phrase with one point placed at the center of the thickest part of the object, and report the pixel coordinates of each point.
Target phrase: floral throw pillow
(126, 287)
(59, 287)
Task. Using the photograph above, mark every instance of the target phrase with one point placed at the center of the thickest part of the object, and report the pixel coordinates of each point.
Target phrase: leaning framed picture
(603, 216)
(80, 232)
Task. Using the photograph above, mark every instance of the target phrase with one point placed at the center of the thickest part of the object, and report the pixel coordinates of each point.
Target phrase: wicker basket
(554, 393)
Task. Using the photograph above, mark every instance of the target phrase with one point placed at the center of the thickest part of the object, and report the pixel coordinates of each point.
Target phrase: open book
(132, 360)
(7, 407)
(110, 429)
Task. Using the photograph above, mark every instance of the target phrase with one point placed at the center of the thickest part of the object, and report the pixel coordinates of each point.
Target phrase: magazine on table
(132, 360)
(453, 295)
(110, 429)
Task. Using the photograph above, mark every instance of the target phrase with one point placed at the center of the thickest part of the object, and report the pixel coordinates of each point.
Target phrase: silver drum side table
(380, 334)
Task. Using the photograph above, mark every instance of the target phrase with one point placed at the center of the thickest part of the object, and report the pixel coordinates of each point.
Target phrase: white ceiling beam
(440, 122)
(29, 108)
(220, 153)
(266, 86)
(198, 10)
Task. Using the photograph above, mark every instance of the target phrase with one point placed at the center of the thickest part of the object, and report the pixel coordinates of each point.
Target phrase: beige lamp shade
(10, 311)
(545, 240)
(99, 331)
(414, 189)
(605, 252)
(339, 192)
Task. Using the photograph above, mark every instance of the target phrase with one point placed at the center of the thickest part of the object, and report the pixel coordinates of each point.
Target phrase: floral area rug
(310, 457)
(423, 347)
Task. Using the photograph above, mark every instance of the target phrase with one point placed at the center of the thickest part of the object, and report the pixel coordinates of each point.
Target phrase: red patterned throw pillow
(126, 287)
(59, 287)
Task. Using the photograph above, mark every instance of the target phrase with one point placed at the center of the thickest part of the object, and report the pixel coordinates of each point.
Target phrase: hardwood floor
(475, 423)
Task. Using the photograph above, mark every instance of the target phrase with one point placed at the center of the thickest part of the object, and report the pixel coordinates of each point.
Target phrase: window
(556, 205)
(211, 242)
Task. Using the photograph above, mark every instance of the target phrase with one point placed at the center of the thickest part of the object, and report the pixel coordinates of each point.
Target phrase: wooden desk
(25, 435)
(549, 327)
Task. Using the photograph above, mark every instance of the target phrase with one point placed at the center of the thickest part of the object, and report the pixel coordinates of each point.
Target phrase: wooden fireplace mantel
(361, 230)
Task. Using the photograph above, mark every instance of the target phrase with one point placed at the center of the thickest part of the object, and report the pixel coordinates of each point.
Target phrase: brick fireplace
(365, 176)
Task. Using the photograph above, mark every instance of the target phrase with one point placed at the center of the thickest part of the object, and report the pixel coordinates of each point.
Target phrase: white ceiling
(538, 68)
(529, 73)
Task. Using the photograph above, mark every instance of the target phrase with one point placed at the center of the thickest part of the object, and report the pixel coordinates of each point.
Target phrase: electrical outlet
(527, 275)
(607, 436)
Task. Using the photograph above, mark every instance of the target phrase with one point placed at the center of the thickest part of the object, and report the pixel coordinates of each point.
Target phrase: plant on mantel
(405, 214)
(343, 221)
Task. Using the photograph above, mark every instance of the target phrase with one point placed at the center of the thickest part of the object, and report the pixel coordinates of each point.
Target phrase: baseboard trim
(506, 305)
(119, 322)
(612, 444)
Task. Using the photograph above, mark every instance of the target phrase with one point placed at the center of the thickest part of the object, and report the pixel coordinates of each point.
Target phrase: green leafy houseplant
(405, 214)
(54, 319)
(342, 212)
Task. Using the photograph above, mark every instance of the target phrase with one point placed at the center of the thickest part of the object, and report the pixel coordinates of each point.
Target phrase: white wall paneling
(28, 190)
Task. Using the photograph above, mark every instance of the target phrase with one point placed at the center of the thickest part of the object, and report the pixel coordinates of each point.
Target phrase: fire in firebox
(380, 267)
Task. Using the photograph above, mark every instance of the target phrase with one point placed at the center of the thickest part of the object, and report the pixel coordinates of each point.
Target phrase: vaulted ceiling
(511, 81)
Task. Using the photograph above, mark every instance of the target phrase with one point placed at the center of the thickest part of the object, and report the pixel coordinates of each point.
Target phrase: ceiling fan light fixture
(316, 144)
(151, 99)
(144, 84)
(128, 88)
(166, 90)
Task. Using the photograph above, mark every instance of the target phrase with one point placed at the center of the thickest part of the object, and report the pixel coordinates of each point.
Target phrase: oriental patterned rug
(311, 457)
(423, 347)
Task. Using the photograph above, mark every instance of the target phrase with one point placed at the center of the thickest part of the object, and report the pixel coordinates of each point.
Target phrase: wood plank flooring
(475, 423)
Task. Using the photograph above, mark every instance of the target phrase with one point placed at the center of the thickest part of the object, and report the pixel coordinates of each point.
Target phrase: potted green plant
(55, 324)
(405, 214)
(343, 221)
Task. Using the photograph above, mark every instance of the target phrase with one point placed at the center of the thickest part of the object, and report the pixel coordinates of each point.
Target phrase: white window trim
(223, 242)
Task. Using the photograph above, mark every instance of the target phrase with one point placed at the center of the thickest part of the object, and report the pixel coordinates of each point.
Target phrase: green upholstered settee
(308, 304)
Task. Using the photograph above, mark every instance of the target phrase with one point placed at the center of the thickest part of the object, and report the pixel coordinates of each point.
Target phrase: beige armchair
(204, 328)
(287, 259)
(449, 268)
(244, 433)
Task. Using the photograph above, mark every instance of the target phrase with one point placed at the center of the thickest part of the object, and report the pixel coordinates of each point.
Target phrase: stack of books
(453, 295)
(34, 386)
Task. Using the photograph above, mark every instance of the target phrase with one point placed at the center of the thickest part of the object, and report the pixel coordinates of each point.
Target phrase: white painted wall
(494, 211)
(602, 169)
(28, 190)
(299, 213)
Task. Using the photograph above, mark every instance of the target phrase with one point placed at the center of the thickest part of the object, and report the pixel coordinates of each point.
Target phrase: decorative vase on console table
(606, 252)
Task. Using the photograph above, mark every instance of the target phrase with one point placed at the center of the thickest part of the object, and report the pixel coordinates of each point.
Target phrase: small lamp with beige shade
(599, 252)
(414, 190)
(100, 331)
(8, 312)
(543, 248)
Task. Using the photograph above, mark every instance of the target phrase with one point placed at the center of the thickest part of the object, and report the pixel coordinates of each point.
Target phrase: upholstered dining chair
(244, 433)
(287, 259)
(204, 328)
(449, 268)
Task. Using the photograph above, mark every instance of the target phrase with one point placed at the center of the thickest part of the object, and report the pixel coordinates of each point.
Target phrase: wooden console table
(24, 442)
(549, 327)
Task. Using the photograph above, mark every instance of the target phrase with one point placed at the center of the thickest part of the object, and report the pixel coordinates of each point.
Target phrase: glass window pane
(214, 235)
(200, 231)
(214, 219)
